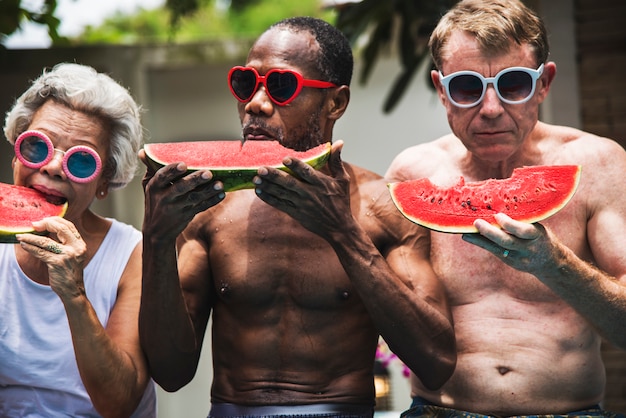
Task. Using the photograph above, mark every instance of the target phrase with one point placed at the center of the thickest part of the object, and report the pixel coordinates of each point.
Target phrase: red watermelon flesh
(21, 206)
(235, 163)
(531, 194)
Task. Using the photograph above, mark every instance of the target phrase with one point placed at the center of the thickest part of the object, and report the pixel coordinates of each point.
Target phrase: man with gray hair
(530, 302)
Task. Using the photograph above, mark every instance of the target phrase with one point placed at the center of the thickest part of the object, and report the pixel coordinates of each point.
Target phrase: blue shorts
(326, 410)
(423, 408)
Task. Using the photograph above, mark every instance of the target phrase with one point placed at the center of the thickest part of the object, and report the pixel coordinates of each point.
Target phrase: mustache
(259, 125)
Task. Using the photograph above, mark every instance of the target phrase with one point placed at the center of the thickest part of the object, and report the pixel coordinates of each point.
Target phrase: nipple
(224, 288)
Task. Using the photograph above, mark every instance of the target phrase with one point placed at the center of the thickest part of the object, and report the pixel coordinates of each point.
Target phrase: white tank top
(38, 372)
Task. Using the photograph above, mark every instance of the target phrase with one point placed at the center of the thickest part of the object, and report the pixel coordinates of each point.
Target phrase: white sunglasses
(513, 85)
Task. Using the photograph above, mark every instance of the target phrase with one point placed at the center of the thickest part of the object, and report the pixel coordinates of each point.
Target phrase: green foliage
(13, 12)
(181, 8)
(10, 14)
(146, 26)
(402, 26)
(193, 21)
(177, 21)
(252, 20)
(405, 24)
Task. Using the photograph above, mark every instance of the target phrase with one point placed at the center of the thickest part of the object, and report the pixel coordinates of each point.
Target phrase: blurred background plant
(375, 28)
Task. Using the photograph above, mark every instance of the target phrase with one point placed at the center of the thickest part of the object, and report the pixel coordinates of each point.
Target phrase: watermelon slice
(531, 194)
(232, 162)
(21, 206)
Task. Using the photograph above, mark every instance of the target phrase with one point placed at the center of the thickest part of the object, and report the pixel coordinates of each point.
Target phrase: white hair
(82, 88)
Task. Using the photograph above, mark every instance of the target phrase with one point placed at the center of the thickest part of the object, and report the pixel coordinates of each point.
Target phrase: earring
(102, 193)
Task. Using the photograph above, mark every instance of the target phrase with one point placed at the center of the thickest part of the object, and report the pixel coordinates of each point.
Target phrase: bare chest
(262, 257)
(472, 274)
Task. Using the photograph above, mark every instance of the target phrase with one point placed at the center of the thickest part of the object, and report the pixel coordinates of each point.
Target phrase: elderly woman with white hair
(69, 297)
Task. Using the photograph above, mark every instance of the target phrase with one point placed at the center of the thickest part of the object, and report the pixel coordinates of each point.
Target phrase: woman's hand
(64, 252)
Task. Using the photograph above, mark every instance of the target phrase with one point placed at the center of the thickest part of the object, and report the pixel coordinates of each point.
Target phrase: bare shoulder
(603, 163)
(377, 213)
(365, 185)
(599, 156)
(423, 159)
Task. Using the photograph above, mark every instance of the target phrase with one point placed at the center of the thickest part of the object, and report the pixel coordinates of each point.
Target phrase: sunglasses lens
(466, 89)
(515, 85)
(281, 86)
(34, 149)
(81, 164)
(243, 83)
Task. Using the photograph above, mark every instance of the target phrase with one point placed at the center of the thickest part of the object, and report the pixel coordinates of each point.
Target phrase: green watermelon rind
(8, 194)
(463, 221)
(239, 178)
(10, 238)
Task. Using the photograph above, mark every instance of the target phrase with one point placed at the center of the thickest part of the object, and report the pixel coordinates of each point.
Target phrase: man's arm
(405, 299)
(175, 307)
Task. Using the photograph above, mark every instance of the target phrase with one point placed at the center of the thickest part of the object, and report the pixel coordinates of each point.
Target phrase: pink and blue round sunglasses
(81, 163)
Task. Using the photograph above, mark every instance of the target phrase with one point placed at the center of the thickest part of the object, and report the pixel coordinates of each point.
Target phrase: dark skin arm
(403, 296)
(173, 319)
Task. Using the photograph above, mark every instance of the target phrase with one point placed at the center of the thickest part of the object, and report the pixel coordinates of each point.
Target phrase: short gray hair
(497, 26)
(82, 88)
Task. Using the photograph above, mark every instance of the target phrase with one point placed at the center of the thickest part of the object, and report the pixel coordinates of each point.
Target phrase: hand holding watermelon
(319, 201)
(531, 194)
(517, 243)
(200, 172)
(64, 252)
(21, 206)
(176, 195)
(234, 163)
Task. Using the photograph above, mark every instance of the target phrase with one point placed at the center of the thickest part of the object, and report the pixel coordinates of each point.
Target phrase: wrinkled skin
(528, 325)
(109, 359)
(301, 274)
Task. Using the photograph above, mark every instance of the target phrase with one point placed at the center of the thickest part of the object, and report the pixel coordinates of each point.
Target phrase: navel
(503, 370)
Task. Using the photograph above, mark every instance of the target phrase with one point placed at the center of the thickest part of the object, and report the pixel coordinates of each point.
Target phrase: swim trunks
(229, 410)
(423, 408)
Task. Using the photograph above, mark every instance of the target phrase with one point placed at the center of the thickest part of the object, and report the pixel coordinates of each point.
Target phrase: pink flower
(385, 356)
